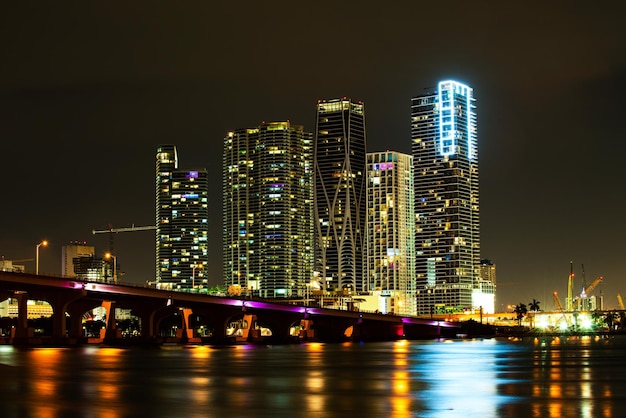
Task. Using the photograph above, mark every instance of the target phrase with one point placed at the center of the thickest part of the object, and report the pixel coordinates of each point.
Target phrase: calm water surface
(582, 377)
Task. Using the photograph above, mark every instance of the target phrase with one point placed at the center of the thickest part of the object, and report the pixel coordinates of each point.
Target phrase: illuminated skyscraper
(445, 169)
(340, 194)
(391, 231)
(181, 223)
(268, 210)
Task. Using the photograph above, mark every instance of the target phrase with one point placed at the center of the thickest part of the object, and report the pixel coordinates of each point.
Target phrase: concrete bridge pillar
(280, 324)
(367, 330)
(60, 304)
(248, 333)
(111, 331)
(331, 329)
(187, 332)
(218, 319)
(22, 330)
(307, 333)
(76, 310)
(59, 325)
(147, 312)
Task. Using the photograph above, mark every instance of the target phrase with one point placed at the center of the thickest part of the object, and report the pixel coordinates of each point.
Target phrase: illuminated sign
(383, 166)
(450, 97)
(192, 175)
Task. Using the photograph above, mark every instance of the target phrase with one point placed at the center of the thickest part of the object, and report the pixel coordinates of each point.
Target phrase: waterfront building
(488, 270)
(484, 294)
(390, 232)
(8, 265)
(445, 169)
(340, 194)
(181, 223)
(71, 251)
(268, 210)
(35, 309)
(92, 268)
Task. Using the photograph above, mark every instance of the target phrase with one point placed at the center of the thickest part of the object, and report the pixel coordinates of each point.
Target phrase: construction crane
(593, 285)
(565, 319)
(21, 260)
(569, 300)
(129, 229)
(582, 266)
(586, 292)
(555, 296)
(112, 231)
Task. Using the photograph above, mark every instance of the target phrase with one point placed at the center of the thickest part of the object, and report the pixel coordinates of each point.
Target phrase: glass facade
(340, 194)
(445, 170)
(268, 210)
(181, 223)
(390, 230)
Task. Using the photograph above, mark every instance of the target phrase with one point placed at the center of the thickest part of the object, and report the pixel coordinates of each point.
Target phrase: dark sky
(88, 91)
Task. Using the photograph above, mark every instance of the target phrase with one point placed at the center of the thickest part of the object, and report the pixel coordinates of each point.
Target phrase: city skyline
(84, 103)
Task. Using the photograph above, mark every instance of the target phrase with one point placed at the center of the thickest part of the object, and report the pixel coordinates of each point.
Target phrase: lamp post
(43, 243)
(193, 276)
(108, 256)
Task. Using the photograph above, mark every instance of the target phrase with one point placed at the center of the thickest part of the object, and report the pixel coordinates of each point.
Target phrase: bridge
(202, 318)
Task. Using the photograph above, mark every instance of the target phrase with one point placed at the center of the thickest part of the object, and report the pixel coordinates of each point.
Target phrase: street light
(43, 243)
(108, 256)
(193, 276)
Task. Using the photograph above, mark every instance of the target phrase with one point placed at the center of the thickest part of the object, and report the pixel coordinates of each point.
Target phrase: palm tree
(534, 305)
(520, 310)
(609, 319)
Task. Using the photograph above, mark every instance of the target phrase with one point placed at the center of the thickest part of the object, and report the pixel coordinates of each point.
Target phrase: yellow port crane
(569, 300)
(555, 296)
(587, 291)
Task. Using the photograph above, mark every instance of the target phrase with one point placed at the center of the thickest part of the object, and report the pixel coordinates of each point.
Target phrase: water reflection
(461, 378)
(45, 384)
(569, 377)
(482, 378)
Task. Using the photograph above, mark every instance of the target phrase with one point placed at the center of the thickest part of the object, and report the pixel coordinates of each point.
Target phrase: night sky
(87, 93)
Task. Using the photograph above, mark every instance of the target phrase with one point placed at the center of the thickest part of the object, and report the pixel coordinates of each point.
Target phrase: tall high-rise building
(268, 210)
(181, 223)
(445, 170)
(340, 194)
(166, 163)
(391, 231)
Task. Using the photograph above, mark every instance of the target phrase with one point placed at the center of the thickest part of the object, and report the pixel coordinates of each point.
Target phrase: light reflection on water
(480, 378)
